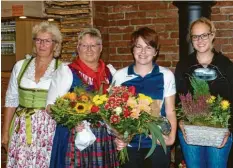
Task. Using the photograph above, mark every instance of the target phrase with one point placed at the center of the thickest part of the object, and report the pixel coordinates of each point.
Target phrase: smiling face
(143, 53)
(202, 37)
(44, 44)
(89, 49)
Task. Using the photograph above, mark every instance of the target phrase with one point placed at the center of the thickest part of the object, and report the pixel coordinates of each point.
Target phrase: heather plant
(202, 108)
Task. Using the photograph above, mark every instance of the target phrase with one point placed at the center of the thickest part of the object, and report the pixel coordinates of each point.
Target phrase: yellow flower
(144, 97)
(225, 104)
(211, 100)
(82, 107)
(71, 96)
(98, 100)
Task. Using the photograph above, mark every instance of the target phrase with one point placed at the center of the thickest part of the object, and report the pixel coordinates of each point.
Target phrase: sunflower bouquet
(203, 115)
(74, 107)
(127, 114)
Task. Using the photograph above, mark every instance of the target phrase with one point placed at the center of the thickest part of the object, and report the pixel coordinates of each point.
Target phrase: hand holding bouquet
(128, 114)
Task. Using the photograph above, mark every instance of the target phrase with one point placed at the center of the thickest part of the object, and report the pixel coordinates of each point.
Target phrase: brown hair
(149, 36)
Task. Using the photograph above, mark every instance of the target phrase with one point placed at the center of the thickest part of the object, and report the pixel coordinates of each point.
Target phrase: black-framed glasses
(203, 36)
(46, 42)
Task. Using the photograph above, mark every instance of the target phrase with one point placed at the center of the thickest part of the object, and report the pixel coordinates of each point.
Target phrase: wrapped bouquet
(128, 114)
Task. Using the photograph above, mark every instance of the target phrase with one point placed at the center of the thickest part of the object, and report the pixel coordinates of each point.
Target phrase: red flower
(132, 90)
(114, 119)
(94, 109)
(125, 96)
(126, 112)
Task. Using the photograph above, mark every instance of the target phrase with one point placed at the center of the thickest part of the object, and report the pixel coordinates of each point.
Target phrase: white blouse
(62, 81)
(27, 81)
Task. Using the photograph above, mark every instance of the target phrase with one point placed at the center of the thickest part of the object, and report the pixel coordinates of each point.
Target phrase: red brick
(125, 64)
(226, 10)
(164, 63)
(172, 27)
(140, 21)
(227, 48)
(159, 27)
(215, 10)
(123, 50)
(167, 41)
(218, 17)
(112, 50)
(133, 15)
(224, 3)
(116, 16)
(221, 41)
(153, 6)
(167, 13)
(101, 8)
(151, 14)
(174, 35)
(231, 17)
(165, 20)
(119, 43)
(174, 63)
(168, 49)
(127, 36)
(163, 35)
(161, 57)
(172, 57)
(119, 22)
(121, 57)
(124, 8)
(224, 25)
(114, 37)
(230, 40)
(128, 29)
(224, 33)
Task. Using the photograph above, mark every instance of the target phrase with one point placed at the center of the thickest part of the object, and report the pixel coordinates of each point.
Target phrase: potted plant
(205, 116)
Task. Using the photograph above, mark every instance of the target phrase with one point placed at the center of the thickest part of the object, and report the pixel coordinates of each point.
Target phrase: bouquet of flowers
(128, 114)
(74, 107)
(204, 109)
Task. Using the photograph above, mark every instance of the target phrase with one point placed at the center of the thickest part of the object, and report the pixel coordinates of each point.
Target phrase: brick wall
(118, 19)
(222, 16)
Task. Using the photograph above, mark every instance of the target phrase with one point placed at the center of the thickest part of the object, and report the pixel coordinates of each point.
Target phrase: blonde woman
(28, 131)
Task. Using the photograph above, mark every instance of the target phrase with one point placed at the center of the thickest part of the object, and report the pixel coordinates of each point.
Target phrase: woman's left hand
(168, 139)
(224, 140)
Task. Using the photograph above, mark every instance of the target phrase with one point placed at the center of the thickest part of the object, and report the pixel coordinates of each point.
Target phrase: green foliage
(200, 87)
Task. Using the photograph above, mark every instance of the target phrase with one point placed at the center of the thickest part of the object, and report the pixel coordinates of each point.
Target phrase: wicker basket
(204, 136)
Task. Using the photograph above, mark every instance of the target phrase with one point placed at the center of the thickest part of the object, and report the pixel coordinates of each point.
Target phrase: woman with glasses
(158, 83)
(207, 64)
(27, 132)
(90, 70)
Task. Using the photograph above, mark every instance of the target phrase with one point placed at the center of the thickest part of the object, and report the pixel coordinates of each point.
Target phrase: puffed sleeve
(12, 95)
(60, 84)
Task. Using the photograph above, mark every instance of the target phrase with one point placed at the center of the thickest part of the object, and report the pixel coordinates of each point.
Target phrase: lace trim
(30, 72)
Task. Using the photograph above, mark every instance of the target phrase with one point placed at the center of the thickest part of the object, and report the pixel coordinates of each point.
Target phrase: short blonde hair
(204, 21)
(47, 27)
(93, 32)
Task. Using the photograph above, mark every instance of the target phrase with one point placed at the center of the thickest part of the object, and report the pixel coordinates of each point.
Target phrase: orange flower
(71, 96)
(84, 98)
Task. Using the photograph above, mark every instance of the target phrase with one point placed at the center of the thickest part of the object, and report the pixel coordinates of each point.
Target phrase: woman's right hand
(120, 144)
(181, 125)
(5, 140)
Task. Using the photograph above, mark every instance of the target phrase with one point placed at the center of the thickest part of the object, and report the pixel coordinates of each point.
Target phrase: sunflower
(82, 107)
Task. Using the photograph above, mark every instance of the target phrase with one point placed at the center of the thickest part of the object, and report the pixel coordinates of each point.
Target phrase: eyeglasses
(92, 46)
(203, 36)
(146, 49)
(46, 42)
